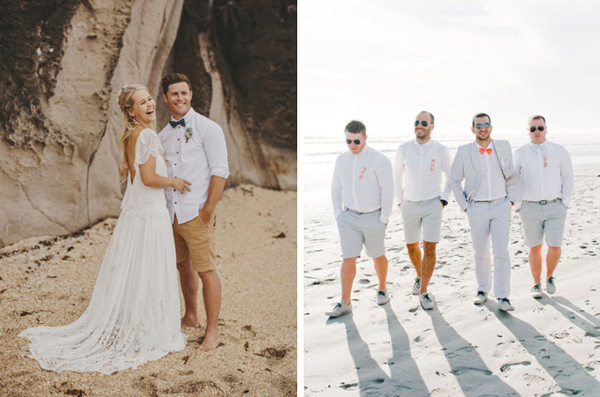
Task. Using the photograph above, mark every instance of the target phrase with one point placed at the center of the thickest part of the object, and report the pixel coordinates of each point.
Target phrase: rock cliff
(63, 63)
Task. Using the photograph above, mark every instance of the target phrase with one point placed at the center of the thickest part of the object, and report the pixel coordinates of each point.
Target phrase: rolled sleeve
(216, 152)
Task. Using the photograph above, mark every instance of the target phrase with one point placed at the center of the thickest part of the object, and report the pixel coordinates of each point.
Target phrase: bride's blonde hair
(125, 100)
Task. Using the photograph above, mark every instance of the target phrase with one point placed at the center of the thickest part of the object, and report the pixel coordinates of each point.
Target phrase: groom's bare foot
(209, 343)
(189, 321)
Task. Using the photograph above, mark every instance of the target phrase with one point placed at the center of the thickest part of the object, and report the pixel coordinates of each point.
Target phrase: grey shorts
(539, 220)
(357, 230)
(426, 215)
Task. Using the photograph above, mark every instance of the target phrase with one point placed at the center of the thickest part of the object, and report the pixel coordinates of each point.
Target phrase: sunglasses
(479, 125)
(356, 141)
(423, 123)
(539, 128)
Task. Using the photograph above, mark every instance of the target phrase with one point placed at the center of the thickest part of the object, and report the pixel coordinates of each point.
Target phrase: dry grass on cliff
(49, 281)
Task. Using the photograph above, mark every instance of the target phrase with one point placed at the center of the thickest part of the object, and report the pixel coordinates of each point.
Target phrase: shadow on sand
(466, 364)
(405, 378)
(568, 374)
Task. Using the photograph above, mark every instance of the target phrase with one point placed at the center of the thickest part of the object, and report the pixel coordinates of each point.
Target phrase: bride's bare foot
(209, 343)
(189, 321)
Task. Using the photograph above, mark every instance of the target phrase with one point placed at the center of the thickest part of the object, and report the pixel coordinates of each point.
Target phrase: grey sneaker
(416, 286)
(339, 310)
(480, 298)
(426, 301)
(536, 291)
(505, 305)
(382, 297)
(550, 285)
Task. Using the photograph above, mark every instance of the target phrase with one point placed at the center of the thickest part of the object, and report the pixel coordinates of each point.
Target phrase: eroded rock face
(241, 58)
(63, 63)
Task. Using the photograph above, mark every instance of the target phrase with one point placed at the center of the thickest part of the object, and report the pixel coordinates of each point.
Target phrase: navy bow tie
(176, 123)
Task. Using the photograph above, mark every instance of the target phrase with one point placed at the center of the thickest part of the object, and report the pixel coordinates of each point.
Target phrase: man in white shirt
(486, 166)
(548, 184)
(362, 192)
(418, 171)
(195, 150)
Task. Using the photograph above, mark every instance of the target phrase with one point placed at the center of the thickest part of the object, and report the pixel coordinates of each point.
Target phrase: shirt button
(174, 190)
(175, 163)
(177, 152)
(175, 202)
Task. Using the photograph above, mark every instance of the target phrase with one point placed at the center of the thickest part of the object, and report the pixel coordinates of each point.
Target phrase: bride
(133, 316)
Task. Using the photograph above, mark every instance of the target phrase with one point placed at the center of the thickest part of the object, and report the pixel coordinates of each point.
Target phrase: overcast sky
(382, 61)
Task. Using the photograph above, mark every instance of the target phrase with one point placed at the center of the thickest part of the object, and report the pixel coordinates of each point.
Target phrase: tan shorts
(195, 240)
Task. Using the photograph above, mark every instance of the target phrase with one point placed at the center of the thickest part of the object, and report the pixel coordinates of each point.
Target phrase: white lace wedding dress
(133, 316)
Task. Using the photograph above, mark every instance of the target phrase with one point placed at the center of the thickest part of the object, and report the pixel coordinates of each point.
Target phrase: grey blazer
(466, 166)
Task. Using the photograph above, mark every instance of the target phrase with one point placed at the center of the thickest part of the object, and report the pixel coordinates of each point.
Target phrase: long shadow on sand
(468, 367)
(579, 317)
(570, 375)
(405, 379)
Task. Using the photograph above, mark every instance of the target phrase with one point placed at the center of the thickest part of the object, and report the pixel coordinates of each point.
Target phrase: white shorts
(357, 230)
(426, 215)
(539, 220)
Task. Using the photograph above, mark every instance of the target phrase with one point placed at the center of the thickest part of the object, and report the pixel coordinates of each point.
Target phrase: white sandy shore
(48, 281)
(545, 347)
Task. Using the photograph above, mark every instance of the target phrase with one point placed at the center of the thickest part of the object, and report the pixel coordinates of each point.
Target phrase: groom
(195, 150)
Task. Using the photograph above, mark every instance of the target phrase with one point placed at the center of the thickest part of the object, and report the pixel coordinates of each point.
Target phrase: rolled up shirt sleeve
(216, 152)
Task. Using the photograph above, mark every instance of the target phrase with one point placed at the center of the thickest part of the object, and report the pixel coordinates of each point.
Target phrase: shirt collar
(424, 146)
(362, 152)
(541, 146)
(188, 116)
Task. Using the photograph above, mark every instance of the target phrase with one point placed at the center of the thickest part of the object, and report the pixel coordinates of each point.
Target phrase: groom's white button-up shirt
(196, 160)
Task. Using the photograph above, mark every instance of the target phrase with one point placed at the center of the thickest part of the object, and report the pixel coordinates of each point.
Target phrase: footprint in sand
(467, 370)
(347, 386)
(506, 367)
(501, 349)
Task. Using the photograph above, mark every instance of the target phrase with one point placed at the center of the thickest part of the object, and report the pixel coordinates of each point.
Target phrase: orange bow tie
(483, 150)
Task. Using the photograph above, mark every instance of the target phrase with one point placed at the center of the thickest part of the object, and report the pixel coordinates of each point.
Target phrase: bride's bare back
(130, 149)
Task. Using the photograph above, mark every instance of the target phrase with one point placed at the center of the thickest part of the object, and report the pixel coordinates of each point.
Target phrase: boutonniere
(188, 134)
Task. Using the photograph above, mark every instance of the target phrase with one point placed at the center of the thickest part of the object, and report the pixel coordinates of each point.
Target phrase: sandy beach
(546, 347)
(49, 281)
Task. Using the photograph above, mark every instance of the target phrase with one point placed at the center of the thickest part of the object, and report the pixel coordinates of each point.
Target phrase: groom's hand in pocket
(205, 214)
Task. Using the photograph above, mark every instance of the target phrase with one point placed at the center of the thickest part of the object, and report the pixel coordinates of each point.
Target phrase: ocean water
(320, 154)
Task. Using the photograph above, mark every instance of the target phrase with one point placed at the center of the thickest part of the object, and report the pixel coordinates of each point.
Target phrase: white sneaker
(536, 291)
(505, 305)
(416, 286)
(339, 310)
(382, 297)
(480, 298)
(550, 285)
(426, 301)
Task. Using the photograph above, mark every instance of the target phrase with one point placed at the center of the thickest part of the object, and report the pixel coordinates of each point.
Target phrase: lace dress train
(134, 314)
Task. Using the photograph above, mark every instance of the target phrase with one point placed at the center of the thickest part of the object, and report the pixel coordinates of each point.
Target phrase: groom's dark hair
(174, 78)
